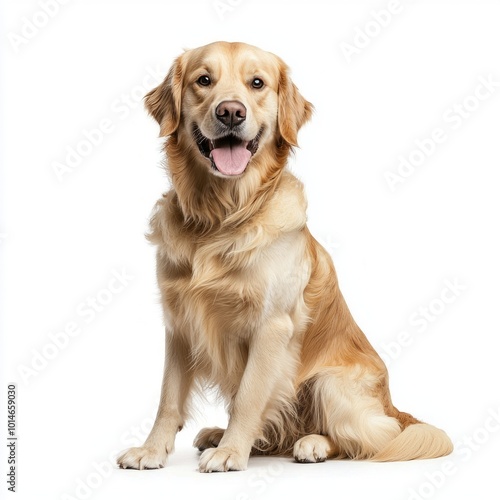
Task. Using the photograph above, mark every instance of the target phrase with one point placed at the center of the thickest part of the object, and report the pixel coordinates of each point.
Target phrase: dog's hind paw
(209, 437)
(311, 449)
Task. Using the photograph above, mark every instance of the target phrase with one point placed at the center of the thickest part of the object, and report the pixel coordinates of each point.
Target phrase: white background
(62, 239)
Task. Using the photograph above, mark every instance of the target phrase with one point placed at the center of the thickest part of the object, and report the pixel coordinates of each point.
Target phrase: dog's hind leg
(345, 408)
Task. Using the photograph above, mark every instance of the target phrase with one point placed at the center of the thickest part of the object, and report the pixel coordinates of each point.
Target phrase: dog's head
(230, 101)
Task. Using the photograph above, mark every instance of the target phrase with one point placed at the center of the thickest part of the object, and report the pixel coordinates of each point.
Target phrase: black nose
(231, 113)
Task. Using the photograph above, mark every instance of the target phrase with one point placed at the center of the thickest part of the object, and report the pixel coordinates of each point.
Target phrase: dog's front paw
(222, 460)
(208, 438)
(141, 458)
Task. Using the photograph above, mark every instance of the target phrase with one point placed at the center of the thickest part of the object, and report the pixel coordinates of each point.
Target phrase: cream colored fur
(251, 300)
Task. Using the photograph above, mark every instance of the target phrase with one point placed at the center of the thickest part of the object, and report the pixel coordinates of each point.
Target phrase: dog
(251, 300)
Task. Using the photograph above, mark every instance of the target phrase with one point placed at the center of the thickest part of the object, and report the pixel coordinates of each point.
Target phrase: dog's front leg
(177, 379)
(268, 351)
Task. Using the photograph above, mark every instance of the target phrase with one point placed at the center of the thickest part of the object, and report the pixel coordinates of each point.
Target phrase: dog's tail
(417, 441)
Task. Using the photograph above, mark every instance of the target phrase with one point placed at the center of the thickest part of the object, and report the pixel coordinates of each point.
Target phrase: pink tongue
(231, 160)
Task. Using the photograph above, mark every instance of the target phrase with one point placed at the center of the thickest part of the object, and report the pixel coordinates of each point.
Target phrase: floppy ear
(293, 109)
(164, 102)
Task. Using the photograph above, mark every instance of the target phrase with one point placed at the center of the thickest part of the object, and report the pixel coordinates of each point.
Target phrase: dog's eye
(204, 80)
(257, 83)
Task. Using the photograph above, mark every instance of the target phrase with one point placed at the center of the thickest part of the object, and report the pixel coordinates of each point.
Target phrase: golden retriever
(251, 300)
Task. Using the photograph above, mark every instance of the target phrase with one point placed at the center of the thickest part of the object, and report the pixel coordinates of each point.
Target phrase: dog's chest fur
(220, 288)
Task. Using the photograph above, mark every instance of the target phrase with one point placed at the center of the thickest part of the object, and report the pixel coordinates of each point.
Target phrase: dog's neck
(209, 202)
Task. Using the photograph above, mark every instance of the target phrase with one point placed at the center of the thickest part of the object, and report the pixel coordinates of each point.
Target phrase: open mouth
(229, 155)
